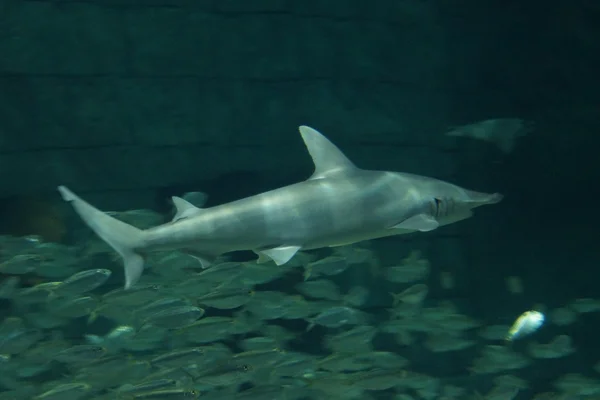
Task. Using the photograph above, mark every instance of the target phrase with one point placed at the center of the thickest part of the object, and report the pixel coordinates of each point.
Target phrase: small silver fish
(160, 305)
(84, 281)
(175, 317)
(72, 308)
(19, 264)
(116, 339)
(186, 357)
(19, 339)
(335, 317)
(413, 295)
(152, 385)
(65, 391)
(526, 324)
(332, 265)
(226, 299)
(9, 286)
(257, 274)
(320, 289)
(208, 330)
(357, 339)
(412, 269)
(80, 354)
(170, 394)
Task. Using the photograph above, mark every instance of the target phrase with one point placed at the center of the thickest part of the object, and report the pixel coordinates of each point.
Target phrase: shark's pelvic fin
(328, 159)
(262, 258)
(122, 237)
(280, 255)
(419, 222)
(184, 209)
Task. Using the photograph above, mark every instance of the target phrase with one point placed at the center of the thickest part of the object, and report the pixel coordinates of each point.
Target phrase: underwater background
(130, 102)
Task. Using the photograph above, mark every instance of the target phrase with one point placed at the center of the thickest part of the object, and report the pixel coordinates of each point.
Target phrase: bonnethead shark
(338, 205)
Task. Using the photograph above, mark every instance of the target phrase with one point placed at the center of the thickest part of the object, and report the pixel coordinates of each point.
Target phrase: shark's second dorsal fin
(328, 159)
(184, 208)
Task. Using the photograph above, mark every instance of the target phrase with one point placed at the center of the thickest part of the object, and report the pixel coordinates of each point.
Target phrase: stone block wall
(130, 96)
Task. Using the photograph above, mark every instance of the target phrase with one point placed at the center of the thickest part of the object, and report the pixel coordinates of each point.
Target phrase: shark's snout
(495, 198)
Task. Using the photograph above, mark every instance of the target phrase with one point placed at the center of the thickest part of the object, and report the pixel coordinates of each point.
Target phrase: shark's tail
(122, 237)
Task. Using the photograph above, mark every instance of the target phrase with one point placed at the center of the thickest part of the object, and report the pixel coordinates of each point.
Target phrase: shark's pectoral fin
(280, 255)
(419, 222)
(184, 208)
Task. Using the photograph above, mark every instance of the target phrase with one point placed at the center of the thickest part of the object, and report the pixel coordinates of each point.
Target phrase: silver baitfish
(526, 324)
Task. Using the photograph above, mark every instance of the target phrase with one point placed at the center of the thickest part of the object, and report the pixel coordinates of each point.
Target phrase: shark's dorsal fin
(196, 198)
(328, 159)
(184, 208)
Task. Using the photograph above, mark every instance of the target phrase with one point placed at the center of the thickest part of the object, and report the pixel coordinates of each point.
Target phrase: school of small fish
(248, 331)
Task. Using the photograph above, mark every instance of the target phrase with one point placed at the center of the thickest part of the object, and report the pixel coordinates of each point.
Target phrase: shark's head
(426, 203)
(447, 203)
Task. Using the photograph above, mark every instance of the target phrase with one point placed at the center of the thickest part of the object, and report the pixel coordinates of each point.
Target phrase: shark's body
(339, 204)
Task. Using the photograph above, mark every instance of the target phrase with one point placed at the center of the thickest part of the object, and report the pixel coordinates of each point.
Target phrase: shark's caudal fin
(122, 237)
